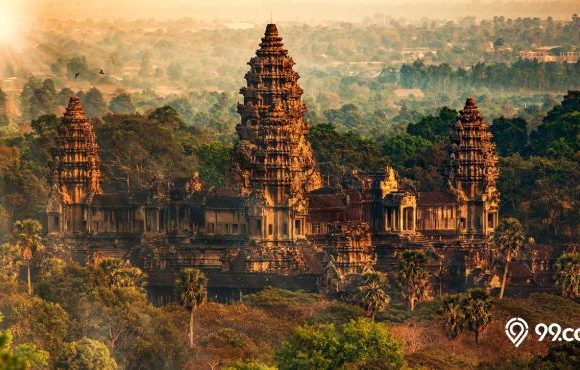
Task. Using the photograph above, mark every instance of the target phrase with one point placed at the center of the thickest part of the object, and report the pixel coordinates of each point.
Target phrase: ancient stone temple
(273, 159)
(74, 175)
(350, 245)
(276, 224)
(473, 172)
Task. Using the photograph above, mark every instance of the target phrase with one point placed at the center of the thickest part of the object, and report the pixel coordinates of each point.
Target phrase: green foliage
(311, 347)
(8, 361)
(86, 354)
(191, 287)
(280, 299)
(191, 290)
(400, 148)
(214, 162)
(509, 237)
(252, 365)
(36, 321)
(434, 129)
(509, 135)
(542, 192)
(522, 74)
(468, 311)
(28, 237)
(9, 266)
(337, 313)
(568, 274)
(138, 152)
(168, 116)
(115, 273)
(559, 134)
(356, 343)
(29, 240)
(336, 152)
(45, 124)
(371, 293)
(36, 359)
(476, 306)
(412, 277)
(453, 315)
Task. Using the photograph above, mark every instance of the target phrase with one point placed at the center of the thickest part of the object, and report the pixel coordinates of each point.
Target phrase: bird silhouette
(77, 74)
(102, 72)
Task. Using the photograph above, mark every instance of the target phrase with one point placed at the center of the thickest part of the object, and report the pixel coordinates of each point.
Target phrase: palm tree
(29, 241)
(568, 274)
(476, 306)
(191, 287)
(508, 238)
(412, 277)
(372, 293)
(453, 315)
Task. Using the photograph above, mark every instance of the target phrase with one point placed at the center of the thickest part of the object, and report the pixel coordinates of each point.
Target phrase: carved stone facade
(74, 174)
(272, 158)
(278, 225)
(473, 172)
(350, 245)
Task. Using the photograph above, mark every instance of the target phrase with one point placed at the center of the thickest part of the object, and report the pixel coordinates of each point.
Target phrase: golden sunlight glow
(8, 27)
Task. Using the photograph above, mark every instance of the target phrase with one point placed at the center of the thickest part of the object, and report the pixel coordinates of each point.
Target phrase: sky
(283, 10)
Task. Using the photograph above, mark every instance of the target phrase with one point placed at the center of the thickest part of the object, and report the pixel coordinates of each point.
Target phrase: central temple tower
(74, 174)
(273, 161)
(473, 173)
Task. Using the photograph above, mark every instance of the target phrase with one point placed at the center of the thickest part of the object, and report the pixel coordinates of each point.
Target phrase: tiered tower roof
(75, 166)
(473, 159)
(273, 154)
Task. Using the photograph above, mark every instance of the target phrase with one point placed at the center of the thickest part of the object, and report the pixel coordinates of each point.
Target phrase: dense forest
(165, 107)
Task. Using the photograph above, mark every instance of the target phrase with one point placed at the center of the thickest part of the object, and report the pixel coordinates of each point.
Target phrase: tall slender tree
(476, 306)
(568, 274)
(191, 287)
(453, 315)
(29, 241)
(412, 277)
(372, 293)
(508, 239)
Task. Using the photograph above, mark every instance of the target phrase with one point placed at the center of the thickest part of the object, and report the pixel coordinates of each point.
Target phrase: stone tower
(273, 160)
(473, 172)
(74, 174)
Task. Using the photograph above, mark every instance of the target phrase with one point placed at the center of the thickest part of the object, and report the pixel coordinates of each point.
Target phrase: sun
(8, 27)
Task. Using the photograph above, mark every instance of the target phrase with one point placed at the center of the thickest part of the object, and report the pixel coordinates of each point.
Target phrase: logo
(516, 330)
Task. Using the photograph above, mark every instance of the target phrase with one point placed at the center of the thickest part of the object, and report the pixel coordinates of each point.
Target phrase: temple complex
(275, 223)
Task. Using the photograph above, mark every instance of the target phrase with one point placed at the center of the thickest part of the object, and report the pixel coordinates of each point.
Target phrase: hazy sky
(286, 10)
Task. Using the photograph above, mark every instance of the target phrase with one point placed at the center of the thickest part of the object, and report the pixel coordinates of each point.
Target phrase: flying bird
(77, 74)
(102, 72)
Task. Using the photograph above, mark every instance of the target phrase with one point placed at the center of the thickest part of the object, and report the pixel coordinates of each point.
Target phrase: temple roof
(432, 198)
(327, 201)
(271, 40)
(74, 112)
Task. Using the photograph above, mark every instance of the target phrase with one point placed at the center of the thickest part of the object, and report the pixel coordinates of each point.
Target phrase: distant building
(546, 56)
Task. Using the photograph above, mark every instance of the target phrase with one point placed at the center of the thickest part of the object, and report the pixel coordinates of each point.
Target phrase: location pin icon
(516, 330)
